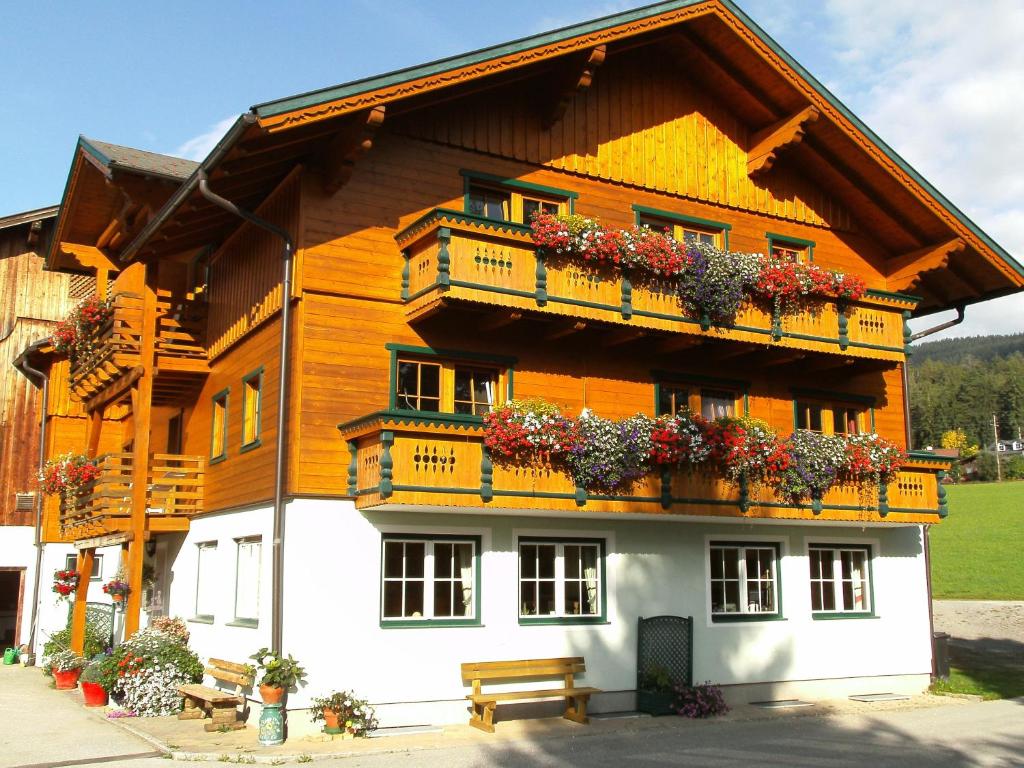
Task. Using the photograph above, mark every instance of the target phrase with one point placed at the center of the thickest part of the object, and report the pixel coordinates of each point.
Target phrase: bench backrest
(523, 668)
(230, 672)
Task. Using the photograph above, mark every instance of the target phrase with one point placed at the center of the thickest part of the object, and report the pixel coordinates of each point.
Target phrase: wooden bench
(533, 669)
(201, 700)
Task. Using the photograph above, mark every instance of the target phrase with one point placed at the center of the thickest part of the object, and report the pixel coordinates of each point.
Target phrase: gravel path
(976, 619)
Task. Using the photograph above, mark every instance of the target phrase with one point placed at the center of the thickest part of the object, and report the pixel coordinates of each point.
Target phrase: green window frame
(568, 583)
(798, 244)
(252, 410)
(641, 212)
(517, 193)
(446, 359)
(219, 405)
(805, 401)
(694, 385)
(837, 584)
(749, 590)
(432, 584)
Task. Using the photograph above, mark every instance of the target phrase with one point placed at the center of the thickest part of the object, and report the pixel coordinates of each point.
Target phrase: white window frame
(240, 542)
(837, 548)
(200, 547)
(561, 615)
(71, 564)
(429, 541)
(744, 543)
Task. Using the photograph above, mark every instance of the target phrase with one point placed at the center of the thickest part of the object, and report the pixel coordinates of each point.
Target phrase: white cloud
(198, 147)
(942, 87)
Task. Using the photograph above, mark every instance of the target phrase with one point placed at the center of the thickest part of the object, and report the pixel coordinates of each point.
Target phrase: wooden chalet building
(315, 479)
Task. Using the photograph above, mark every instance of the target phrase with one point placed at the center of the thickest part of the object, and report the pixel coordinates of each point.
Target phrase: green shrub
(95, 644)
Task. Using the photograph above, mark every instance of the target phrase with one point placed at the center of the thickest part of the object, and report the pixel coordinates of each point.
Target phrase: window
(447, 386)
(252, 397)
(717, 404)
(511, 200)
(71, 564)
(672, 400)
(206, 579)
(791, 249)
(427, 579)
(684, 232)
(561, 580)
(744, 581)
(840, 578)
(247, 580)
(829, 417)
(219, 426)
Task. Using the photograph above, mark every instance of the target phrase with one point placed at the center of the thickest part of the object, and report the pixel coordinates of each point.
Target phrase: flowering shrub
(711, 282)
(678, 440)
(150, 666)
(176, 628)
(700, 700)
(65, 661)
(528, 431)
(871, 459)
(67, 474)
(75, 335)
(610, 456)
(355, 715)
(817, 461)
(65, 583)
(745, 447)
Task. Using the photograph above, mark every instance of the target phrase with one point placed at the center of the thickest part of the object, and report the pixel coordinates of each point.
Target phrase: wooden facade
(629, 120)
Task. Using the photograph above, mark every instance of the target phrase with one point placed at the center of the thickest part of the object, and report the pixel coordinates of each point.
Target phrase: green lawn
(976, 550)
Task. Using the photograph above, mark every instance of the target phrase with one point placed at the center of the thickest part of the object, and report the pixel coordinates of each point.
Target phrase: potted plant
(92, 680)
(279, 674)
(65, 582)
(118, 587)
(66, 666)
(344, 713)
(656, 692)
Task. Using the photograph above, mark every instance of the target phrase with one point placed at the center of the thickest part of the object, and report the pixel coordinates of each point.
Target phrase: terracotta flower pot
(117, 597)
(271, 694)
(66, 680)
(330, 720)
(94, 694)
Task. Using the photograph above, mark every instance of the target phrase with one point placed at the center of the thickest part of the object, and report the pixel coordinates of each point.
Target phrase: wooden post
(143, 404)
(84, 567)
(95, 427)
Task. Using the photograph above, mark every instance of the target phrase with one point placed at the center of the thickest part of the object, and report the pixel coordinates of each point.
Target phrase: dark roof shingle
(139, 161)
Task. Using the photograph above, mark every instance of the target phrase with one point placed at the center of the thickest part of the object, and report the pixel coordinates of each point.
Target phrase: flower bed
(711, 283)
(606, 456)
(144, 673)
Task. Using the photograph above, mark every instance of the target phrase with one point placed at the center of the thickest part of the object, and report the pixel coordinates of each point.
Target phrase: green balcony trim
(903, 297)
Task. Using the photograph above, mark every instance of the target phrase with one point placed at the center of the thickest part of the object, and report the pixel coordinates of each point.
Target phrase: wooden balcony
(115, 359)
(408, 461)
(174, 493)
(455, 257)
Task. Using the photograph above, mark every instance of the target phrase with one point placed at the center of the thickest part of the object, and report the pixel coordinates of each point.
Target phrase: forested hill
(961, 383)
(979, 347)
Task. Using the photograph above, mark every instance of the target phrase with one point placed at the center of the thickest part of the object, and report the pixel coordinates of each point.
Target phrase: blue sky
(169, 77)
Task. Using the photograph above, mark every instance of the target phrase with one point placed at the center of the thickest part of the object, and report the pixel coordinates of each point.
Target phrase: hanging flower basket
(65, 582)
(75, 336)
(117, 589)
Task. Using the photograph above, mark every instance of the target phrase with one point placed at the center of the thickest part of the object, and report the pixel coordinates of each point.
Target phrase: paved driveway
(40, 727)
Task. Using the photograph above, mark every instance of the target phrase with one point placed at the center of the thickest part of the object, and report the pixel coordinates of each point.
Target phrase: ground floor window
(561, 580)
(71, 564)
(430, 579)
(744, 581)
(249, 552)
(840, 579)
(206, 580)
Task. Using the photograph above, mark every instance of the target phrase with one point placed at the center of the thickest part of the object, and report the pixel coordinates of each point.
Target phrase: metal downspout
(277, 579)
(926, 539)
(34, 375)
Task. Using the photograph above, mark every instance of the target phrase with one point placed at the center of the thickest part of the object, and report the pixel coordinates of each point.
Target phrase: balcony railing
(115, 347)
(174, 492)
(408, 460)
(452, 256)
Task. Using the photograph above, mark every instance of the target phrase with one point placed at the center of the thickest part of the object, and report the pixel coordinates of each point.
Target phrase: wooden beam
(88, 256)
(499, 320)
(678, 343)
(623, 336)
(905, 271)
(83, 565)
(766, 144)
(579, 75)
(566, 328)
(114, 391)
(353, 140)
(110, 540)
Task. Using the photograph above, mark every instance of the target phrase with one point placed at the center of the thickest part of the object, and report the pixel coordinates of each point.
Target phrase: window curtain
(466, 574)
(590, 575)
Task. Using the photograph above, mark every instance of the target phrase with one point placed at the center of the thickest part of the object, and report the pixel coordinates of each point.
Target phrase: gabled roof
(916, 222)
(116, 157)
(28, 217)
